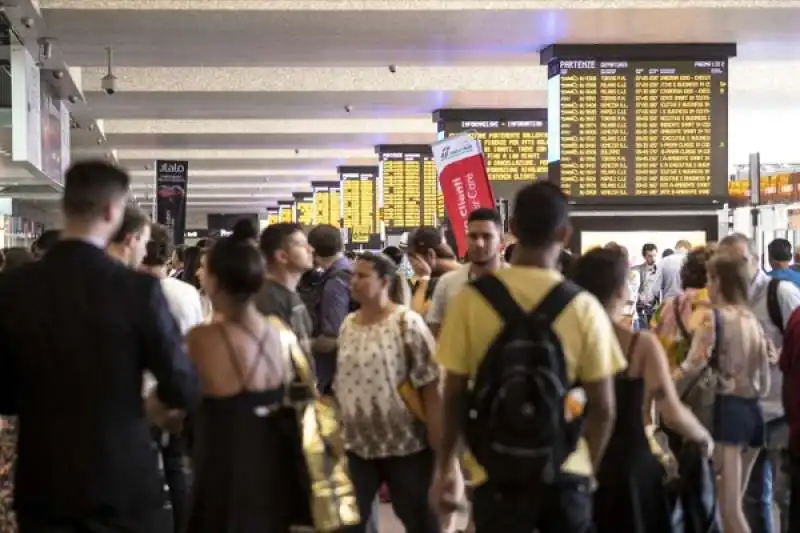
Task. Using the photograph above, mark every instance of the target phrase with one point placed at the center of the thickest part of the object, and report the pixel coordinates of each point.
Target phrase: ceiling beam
(265, 127)
(396, 5)
(308, 79)
(239, 154)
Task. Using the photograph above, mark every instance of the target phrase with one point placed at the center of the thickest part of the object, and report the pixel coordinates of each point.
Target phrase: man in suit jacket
(77, 331)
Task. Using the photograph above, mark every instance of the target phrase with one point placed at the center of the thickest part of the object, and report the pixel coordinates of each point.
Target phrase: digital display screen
(515, 150)
(326, 204)
(359, 204)
(304, 209)
(410, 190)
(286, 212)
(640, 128)
(272, 217)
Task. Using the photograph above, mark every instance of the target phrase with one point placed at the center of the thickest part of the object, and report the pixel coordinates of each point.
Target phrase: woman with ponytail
(244, 480)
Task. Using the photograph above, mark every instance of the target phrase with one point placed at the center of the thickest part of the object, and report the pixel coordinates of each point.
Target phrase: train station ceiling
(264, 96)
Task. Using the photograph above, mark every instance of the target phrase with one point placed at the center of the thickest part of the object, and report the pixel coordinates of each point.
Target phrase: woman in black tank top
(631, 496)
(245, 435)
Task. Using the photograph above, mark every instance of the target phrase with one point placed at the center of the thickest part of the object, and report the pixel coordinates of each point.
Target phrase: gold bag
(333, 501)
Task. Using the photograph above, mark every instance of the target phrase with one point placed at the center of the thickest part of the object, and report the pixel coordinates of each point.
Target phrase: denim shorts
(738, 421)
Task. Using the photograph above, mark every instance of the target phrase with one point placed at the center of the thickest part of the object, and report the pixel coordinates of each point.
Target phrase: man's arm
(600, 417)
(334, 308)
(178, 386)
(454, 403)
(437, 306)
(598, 362)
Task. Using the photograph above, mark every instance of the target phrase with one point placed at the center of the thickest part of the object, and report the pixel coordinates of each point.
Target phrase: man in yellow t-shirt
(592, 356)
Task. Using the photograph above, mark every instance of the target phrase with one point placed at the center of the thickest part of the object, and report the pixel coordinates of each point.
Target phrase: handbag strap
(405, 352)
(676, 308)
(713, 360)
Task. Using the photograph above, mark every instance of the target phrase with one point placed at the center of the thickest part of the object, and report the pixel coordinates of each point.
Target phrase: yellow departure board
(304, 208)
(432, 199)
(514, 150)
(272, 217)
(326, 204)
(640, 128)
(359, 202)
(285, 212)
(401, 188)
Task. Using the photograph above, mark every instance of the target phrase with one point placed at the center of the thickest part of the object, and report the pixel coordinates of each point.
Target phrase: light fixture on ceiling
(45, 50)
(109, 81)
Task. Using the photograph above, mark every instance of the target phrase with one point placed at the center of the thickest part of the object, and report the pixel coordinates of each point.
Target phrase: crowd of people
(255, 383)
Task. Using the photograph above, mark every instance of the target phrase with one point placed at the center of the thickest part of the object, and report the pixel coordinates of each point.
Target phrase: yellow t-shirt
(590, 346)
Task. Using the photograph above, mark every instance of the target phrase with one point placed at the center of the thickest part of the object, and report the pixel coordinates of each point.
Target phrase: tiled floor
(389, 522)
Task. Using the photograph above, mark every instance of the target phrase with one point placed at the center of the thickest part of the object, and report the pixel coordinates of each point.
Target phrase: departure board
(326, 203)
(515, 150)
(286, 211)
(304, 208)
(432, 199)
(272, 217)
(639, 128)
(359, 202)
(400, 177)
(409, 187)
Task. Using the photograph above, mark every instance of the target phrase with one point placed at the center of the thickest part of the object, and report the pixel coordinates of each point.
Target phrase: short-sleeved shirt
(277, 299)
(448, 286)
(591, 350)
(373, 362)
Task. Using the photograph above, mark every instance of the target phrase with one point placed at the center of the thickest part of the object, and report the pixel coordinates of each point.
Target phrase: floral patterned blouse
(8, 454)
(691, 305)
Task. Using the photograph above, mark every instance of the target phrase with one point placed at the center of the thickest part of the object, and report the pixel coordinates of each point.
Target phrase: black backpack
(310, 291)
(773, 305)
(515, 423)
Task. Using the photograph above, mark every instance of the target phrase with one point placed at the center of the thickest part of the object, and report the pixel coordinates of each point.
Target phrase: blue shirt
(786, 274)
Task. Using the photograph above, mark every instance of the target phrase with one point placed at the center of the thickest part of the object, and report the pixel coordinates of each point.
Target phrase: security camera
(348, 109)
(109, 81)
(72, 99)
(296, 151)
(58, 74)
(27, 22)
(393, 69)
(109, 84)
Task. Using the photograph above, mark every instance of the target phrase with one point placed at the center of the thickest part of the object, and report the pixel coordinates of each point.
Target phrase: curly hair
(694, 272)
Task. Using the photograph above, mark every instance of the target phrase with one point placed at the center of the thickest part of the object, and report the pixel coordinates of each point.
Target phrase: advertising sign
(172, 178)
(464, 182)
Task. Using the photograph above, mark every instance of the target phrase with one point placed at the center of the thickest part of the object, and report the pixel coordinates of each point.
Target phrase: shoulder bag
(321, 457)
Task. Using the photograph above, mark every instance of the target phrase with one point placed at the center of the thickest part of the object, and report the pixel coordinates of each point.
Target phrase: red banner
(464, 182)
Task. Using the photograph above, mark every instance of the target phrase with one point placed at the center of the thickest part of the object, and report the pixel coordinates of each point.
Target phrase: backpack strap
(677, 303)
(773, 305)
(556, 300)
(496, 293)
